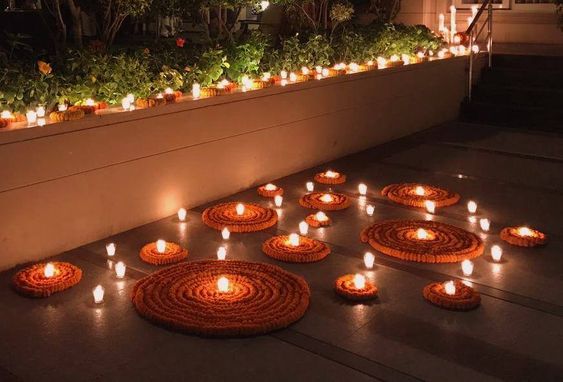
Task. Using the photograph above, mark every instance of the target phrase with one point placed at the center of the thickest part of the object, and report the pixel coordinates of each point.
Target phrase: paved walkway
(517, 333)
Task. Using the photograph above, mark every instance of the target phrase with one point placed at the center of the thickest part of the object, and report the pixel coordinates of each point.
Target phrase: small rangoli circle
(254, 217)
(464, 298)
(33, 282)
(325, 201)
(415, 195)
(308, 251)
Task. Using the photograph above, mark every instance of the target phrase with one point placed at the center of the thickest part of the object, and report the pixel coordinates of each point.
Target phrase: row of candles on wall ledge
(39, 116)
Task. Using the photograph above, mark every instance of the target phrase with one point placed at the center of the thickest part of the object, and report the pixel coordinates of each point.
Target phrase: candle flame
(90, 102)
(221, 253)
(471, 207)
(496, 253)
(182, 213)
(430, 206)
(110, 249)
(49, 270)
(485, 224)
(467, 267)
(310, 186)
(294, 240)
(331, 174)
(303, 228)
(120, 268)
(359, 281)
(223, 284)
(525, 231)
(420, 191)
(292, 77)
(240, 209)
(421, 234)
(449, 288)
(278, 200)
(160, 246)
(321, 216)
(362, 189)
(270, 187)
(370, 210)
(326, 198)
(98, 293)
(225, 233)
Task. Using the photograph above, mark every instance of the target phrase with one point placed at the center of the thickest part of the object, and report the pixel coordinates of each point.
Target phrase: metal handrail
(487, 4)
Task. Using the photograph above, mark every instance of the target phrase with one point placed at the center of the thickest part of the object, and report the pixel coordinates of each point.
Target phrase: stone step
(519, 95)
(530, 77)
(528, 62)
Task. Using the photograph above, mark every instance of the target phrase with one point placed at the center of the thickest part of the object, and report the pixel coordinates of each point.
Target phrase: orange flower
(44, 67)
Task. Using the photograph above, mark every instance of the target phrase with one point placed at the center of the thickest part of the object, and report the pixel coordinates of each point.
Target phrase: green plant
(245, 58)
(209, 68)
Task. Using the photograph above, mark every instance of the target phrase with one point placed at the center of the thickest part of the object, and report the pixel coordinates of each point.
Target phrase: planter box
(65, 185)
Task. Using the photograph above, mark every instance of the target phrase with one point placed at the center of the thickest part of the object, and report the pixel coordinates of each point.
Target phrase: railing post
(470, 84)
(490, 36)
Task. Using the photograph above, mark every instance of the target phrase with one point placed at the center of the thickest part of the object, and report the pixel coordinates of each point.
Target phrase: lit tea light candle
(240, 209)
(90, 102)
(294, 240)
(406, 59)
(467, 267)
(49, 270)
(98, 293)
(110, 249)
(326, 198)
(310, 186)
(40, 110)
(354, 68)
(442, 53)
(31, 116)
(305, 71)
(394, 58)
(283, 82)
(369, 260)
(292, 77)
(420, 55)
(321, 216)
(475, 49)
(524, 231)
(196, 90)
(41, 121)
(221, 253)
(319, 69)
(303, 228)
(225, 233)
(278, 200)
(62, 107)
(131, 98)
(223, 83)
(270, 187)
(419, 190)
(496, 253)
(362, 189)
(370, 63)
(430, 206)
(325, 72)
(381, 62)
(223, 284)
(126, 103)
(160, 246)
(182, 213)
(120, 268)
(449, 288)
(359, 281)
(471, 207)
(485, 224)
(331, 174)
(283, 74)
(266, 77)
(422, 234)
(370, 210)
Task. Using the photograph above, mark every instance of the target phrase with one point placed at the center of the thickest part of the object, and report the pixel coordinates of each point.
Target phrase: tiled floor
(516, 334)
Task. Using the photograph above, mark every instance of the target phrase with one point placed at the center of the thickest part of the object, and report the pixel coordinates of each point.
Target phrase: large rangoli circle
(173, 253)
(308, 251)
(415, 194)
(254, 217)
(464, 298)
(325, 201)
(443, 243)
(31, 281)
(260, 298)
(523, 236)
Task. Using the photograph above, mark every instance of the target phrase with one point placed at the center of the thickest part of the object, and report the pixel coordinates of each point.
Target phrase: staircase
(519, 91)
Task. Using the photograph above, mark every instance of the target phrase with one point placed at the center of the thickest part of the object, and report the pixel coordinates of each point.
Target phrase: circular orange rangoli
(173, 253)
(326, 201)
(308, 251)
(260, 298)
(31, 281)
(344, 286)
(254, 218)
(464, 298)
(406, 193)
(314, 222)
(330, 177)
(444, 243)
(265, 192)
(528, 238)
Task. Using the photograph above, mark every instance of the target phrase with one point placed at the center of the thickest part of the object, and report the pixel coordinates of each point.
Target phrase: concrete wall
(526, 24)
(68, 184)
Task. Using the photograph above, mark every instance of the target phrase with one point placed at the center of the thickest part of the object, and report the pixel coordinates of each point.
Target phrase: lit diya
(327, 201)
(417, 195)
(239, 217)
(42, 280)
(318, 220)
(423, 241)
(355, 287)
(270, 191)
(452, 295)
(89, 106)
(330, 177)
(523, 236)
(162, 252)
(222, 298)
(295, 249)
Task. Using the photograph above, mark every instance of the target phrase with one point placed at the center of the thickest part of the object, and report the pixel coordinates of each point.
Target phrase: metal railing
(473, 38)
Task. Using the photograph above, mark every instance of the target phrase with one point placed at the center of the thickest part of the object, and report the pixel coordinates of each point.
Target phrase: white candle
(126, 103)
(359, 281)
(240, 209)
(453, 29)
(331, 174)
(310, 186)
(41, 122)
(221, 253)
(294, 240)
(381, 62)
(305, 71)
(223, 284)
(278, 200)
(110, 249)
(283, 82)
(485, 224)
(467, 267)
(90, 102)
(321, 216)
(369, 260)
(496, 253)
(98, 293)
(326, 198)
(370, 210)
(524, 231)
(303, 228)
(441, 22)
(270, 187)
(449, 288)
(471, 207)
(266, 77)
(49, 270)
(40, 110)
(421, 234)
(283, 74)
(131, 98)
(319, 69)
(354, 68)
(419, 190)
(325, 72)
(160, 246)
(225, 233)
(362, 189)
(394, 58)
(120, 268)
(31, 116)
(430, 206)
(182, 213)
(292, 77)
(406, 59)
(196, 90)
